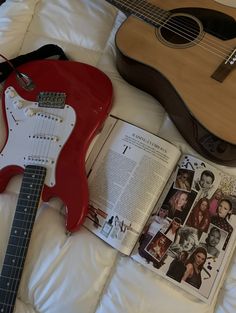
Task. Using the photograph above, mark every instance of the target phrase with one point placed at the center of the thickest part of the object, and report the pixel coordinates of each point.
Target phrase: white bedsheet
(81, 273)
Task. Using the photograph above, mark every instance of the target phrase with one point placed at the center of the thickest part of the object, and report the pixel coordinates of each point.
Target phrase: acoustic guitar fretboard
(142, 9)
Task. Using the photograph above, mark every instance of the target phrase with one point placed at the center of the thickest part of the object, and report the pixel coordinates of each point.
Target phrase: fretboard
(143, 10)
(26, 209)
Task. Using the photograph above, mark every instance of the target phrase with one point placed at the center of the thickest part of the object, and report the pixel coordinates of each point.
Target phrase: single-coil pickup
(49, 116)
(43, 137)
(34, 159)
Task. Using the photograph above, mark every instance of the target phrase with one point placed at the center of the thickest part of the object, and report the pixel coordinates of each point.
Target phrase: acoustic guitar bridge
(225, 67)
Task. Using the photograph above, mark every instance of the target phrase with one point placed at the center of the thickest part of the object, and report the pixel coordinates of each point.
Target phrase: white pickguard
(36, 134)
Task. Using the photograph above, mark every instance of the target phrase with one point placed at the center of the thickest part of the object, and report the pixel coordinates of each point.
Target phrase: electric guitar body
(49, 129)
(184, 53)
(52, 126)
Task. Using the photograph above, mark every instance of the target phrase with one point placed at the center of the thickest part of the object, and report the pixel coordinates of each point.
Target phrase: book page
(125, 181)
(190, 236)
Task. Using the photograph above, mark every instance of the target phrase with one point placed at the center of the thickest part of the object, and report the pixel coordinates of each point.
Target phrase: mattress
(80, 273)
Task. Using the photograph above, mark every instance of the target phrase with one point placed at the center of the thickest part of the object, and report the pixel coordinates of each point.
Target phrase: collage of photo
(187, 235)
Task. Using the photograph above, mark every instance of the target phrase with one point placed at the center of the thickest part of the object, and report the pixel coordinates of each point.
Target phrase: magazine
(173, 213)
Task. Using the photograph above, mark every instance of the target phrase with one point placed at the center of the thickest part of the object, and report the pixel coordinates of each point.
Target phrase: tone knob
(18, 104)
(10, 92)
(29, 112)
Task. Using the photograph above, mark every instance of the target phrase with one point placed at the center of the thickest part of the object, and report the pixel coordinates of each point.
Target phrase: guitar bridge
(225, 67)
(54, 100)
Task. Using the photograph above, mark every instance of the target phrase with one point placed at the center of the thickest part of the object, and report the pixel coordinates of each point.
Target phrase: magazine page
(98, 142)
(190, 236)
(125, 181)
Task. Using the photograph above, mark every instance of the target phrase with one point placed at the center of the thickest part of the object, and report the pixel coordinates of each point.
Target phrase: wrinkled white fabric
(81, 273)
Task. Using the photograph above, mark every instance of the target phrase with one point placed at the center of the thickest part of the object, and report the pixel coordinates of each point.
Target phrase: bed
(80, 273)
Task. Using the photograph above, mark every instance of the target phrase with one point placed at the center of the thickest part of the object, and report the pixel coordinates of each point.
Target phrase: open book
(173, 213)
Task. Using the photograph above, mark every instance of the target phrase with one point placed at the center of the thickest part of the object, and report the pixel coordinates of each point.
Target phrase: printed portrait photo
(180, 203)
(184, 179)
(199, 216)
(214, 240)
(158, 246)
(186, 240)
(194, 267)
(204, 183)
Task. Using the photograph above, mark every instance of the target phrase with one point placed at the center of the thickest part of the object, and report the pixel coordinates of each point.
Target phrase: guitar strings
(9, 299)
(192, 33)
(38, 151)
(162, 15)
(168, 14)
(30, 219)
(205, 44)
(53, 130)
(30, 216)
(26, 227)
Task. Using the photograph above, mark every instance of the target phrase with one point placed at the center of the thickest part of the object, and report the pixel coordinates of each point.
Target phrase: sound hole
(180, 30)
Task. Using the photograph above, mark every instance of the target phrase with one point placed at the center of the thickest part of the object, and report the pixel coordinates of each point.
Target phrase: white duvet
(81, 273)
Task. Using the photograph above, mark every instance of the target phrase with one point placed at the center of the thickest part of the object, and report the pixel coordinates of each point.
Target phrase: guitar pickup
(49, 116)
(33, 159)
(44, 137)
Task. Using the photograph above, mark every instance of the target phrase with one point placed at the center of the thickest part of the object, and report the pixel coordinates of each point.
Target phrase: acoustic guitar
(49, 128)
(184, 54)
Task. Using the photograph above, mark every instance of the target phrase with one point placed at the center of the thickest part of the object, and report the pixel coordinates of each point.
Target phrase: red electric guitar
(49, 129)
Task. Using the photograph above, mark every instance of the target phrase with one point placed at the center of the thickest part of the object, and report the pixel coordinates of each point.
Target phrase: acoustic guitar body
(183, 53)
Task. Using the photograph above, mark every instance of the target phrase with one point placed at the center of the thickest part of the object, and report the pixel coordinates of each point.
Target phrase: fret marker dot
(28, 197)
(8, 284)
(2, 310)
(15, 231)
(25, 210)
(31, 185)
(25, 233)
(13, 261)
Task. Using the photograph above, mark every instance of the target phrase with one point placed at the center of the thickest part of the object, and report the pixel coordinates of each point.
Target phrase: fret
(19, 241)
(8, 283)
(6, 306)
(29, 186)
(26, 209)
(29, 189)
(143, 10)
(22, 224)
(8, 290)
(23, 214)
(8, 271)
(11, 270)
(27, 198)
(21, 232)
(13, 260)
(12, 250)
